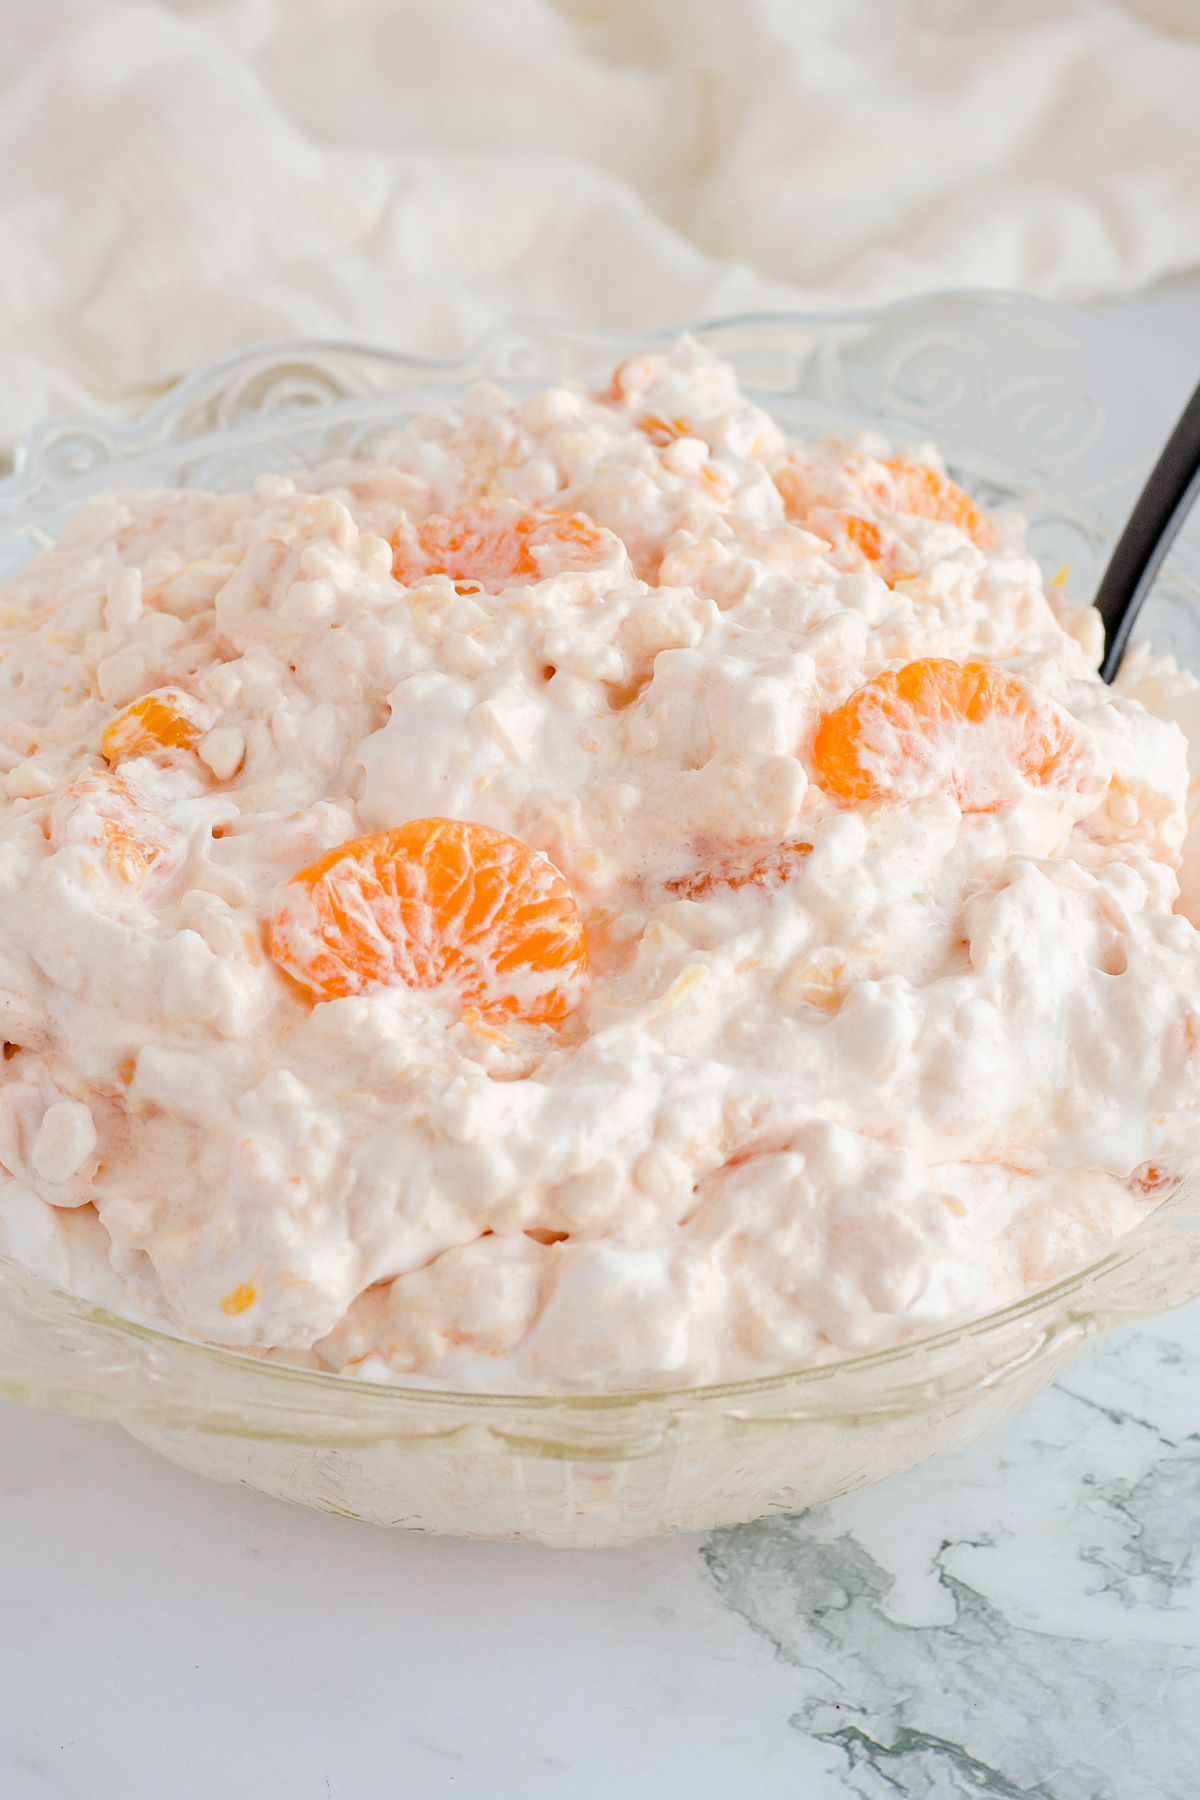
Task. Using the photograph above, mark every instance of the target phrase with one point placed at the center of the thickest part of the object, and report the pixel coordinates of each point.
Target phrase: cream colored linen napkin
(181, 176)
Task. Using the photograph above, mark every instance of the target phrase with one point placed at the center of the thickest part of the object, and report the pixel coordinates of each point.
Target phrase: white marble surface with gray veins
(1020, 1620)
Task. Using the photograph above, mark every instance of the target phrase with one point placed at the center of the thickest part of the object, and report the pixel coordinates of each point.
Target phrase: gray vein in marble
(1159, 1551)
(903, 1758)
(1018, 1620)
(1115, 1414)
(979, 1706)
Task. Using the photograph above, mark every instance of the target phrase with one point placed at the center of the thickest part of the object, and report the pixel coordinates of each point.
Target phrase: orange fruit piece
(494, 546)
(921, 490)
(768, 870)
(239, 1299)
(662, 431)
(856, 542)
(829, 498)
(630, 378)
(128, 853)
(865, 536)
(436, 900)
(102, 809)
(965, 729)
(167, 719)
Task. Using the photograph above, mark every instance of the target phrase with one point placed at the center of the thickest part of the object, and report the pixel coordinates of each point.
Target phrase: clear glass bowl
(1034, 407)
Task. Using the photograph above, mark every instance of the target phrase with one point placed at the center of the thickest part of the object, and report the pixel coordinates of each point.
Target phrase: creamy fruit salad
(605, 895)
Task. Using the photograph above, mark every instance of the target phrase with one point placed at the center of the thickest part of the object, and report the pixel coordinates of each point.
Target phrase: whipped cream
(845, 1067)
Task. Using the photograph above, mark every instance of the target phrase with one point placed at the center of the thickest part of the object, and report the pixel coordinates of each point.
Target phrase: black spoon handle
(1161, 508)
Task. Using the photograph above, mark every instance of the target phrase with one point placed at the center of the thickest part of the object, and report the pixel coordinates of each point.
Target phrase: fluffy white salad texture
(890, 1004)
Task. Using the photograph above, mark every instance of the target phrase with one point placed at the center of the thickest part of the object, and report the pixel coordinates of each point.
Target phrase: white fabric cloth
(185, 175)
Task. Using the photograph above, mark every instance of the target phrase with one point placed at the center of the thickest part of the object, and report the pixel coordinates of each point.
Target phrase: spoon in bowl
(1151, 529)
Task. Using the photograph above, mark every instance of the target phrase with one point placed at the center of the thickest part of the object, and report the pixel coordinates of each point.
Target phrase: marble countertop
(1018, 1620)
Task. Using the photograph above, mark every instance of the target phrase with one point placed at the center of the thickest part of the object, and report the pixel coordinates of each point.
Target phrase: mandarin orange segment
(767, 871)
(856, 541)
(662, 432)
(629, 378)
(491, 547)
(127, 853)
(435, 901)
(102, 809)
(921, 490)
(865, 537)
(828, 498)
(167, 719)
(964, 729)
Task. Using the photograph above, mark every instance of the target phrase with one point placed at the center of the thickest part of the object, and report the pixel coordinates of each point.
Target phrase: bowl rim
(151, 429)
(178, 395)
(1170, 1220)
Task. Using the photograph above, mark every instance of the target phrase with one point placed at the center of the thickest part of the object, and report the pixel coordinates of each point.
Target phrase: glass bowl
(1033, 406)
